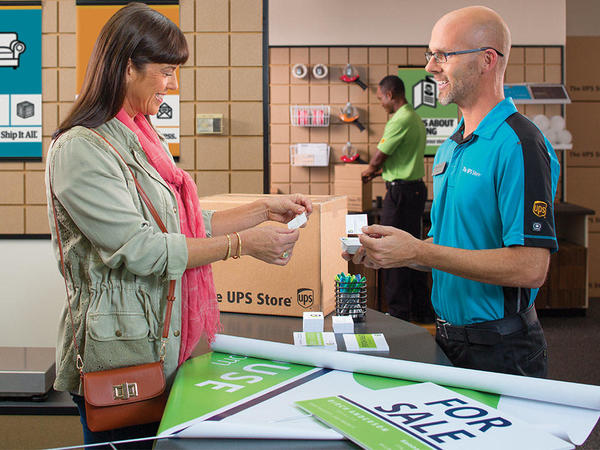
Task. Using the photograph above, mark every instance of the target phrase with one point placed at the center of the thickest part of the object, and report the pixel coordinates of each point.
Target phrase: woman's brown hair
(137, 33)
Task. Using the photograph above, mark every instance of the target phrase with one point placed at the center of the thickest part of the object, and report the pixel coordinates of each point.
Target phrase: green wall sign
(439, 120)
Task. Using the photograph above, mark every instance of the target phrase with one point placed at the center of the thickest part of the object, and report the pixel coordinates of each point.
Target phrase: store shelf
(562, 146)
(537, 93)
(309, 116)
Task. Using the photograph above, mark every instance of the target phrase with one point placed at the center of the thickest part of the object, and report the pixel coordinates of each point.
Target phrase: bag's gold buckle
(125, 391)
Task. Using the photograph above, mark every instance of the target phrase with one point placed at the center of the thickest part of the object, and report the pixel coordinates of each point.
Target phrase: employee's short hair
(394, 85)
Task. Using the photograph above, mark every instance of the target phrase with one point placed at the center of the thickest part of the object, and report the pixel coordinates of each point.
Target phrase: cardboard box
(583, 121)
(347, 181)
(565, 285)
(594, 264)
(581, 70)
(582, 189)
(306, 283)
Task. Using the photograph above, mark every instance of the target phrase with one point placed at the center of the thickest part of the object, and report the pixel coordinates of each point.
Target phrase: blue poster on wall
(21, 75)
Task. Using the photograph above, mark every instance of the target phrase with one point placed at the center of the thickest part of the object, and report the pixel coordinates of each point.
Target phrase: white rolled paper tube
(561, 392)
(557, 123)
(541, 121)
(564, 137)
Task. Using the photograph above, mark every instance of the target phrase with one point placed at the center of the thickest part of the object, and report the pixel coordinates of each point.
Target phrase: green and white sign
(212, 383)
(359, 425)
(421, 92)
(426, 416)
(224, 395)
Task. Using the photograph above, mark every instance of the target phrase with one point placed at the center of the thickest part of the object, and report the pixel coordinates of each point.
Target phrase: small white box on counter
(342, 324)
(312, 321)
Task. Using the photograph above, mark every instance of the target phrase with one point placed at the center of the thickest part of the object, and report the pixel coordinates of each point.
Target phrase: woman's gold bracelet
(239, 252)
(228, 248)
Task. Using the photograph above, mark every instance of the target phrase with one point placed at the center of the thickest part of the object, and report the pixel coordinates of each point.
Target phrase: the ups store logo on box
(306, 297)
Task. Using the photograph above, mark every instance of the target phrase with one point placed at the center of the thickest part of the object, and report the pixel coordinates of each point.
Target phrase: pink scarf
(199, 308)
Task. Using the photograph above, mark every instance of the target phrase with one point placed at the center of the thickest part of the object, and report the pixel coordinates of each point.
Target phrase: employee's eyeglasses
(442, 57)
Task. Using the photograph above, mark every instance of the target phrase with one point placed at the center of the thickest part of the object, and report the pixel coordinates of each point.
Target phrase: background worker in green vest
(399, 160)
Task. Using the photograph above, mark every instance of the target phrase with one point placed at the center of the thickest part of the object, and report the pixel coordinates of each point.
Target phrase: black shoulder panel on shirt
(538, 198)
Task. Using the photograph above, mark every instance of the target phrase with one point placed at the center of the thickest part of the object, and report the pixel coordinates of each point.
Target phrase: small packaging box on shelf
(347, 181)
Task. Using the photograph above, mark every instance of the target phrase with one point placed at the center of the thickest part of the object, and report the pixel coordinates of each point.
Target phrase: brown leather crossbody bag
(126, 396)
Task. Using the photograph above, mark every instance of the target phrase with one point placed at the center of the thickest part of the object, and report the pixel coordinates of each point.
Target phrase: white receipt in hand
(297, 221)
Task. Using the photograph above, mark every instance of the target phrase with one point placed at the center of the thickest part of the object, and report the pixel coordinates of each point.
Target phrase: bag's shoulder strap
(79, 360)
(163, 228)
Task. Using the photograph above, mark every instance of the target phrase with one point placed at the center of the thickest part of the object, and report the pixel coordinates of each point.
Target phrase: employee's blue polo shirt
(494, 189)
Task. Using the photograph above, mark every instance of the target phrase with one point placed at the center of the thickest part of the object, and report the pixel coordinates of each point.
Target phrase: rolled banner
(560, 392)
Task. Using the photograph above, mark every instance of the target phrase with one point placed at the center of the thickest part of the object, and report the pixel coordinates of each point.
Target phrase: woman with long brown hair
(118, 263)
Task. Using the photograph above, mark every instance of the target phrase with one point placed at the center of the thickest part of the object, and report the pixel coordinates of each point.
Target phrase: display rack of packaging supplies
(309, 116)
(309, 154)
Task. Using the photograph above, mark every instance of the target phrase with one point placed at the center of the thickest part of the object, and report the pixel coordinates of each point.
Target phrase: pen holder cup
(351, 299)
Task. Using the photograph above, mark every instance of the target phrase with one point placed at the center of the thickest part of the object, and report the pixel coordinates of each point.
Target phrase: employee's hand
(386, 247)
(369, 173)
(271, 244)
(283, 208)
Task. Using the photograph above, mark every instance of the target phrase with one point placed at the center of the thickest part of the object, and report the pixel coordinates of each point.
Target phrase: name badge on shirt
(439, 168)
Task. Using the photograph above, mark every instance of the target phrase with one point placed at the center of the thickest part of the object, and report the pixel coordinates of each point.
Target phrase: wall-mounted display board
(91, 17)
(540, 93)
(21, 75)
(421, 92)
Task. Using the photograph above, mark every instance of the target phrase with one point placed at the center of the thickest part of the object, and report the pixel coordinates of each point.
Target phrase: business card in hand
(297, 221)
(355, 223)
(350, 244)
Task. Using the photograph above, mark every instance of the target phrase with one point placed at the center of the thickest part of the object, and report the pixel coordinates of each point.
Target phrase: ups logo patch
(540, 208)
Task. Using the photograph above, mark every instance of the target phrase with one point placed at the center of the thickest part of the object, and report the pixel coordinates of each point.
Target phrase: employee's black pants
(483, 346)
(405, 290)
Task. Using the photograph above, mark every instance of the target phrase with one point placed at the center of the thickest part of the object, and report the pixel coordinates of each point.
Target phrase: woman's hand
(271, 244)
(283, 208)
